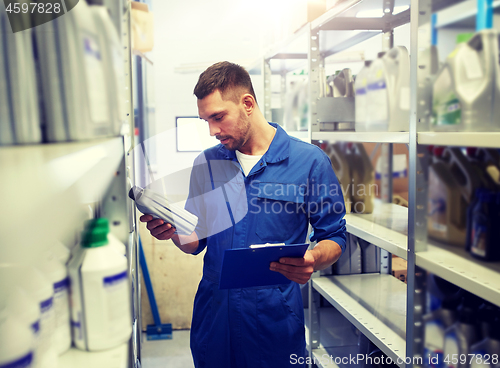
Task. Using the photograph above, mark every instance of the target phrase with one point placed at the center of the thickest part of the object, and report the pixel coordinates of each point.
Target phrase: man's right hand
(160, 229)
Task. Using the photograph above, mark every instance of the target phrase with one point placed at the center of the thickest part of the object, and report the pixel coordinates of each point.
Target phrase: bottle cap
(464, 37)
(97, 223)
(93, 238)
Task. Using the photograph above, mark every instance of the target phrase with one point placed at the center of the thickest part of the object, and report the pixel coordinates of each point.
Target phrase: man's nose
(214, 130)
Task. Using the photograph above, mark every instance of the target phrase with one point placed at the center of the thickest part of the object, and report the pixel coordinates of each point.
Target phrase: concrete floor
(173, 353)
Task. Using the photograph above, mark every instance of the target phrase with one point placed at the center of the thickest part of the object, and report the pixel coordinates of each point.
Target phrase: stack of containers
(80, 74)
(384, 89)
(19, 113)
(28, 294)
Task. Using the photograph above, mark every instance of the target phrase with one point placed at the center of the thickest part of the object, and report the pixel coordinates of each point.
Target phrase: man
(272, 186)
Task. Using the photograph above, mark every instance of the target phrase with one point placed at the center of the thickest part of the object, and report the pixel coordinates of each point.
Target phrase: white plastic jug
(17, 303)
(16, 343)
(100, 296)
(112, 52)
(361, 97)
(38, 287)
(389, 92)
(57, 274)
(466, 90)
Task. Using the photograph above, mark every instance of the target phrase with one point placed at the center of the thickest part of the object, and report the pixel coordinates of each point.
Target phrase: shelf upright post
(267, 74)
(129, 142)
(315, 62)
(420, 69)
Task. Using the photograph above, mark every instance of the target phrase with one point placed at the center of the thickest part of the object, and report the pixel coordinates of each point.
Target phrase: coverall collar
(279, 149)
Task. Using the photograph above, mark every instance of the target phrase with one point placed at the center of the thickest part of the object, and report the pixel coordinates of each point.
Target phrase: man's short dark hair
(230, 79)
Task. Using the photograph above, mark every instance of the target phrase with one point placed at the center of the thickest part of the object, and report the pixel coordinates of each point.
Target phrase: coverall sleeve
(326, 204)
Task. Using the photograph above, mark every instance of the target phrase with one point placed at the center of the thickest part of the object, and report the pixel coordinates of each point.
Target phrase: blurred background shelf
(374, 303)
(460, 139)
(376, 137)
(48, 186)
(459, 267)
(386, 227)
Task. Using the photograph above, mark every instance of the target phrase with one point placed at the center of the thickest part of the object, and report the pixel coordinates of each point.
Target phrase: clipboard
(249, 267)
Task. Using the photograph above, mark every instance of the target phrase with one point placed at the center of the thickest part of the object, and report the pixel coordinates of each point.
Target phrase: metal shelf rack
(335, 31)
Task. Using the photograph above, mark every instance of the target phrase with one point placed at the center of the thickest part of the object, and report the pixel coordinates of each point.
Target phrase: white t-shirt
(247, 162)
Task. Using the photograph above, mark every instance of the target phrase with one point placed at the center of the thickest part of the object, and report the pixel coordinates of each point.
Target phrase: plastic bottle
(16, 343)
(487, 313)
(100, 297)
(435, 325)
(103, 223)
(485, 350)
(361, 93)
(340, 165)
(6, 123)
(483, 242)
(57, 274)
(464, 333)
(370, 257)
(21, 82)
(452, 183)
(389, 92)
(15, 302)
(38, 287)
(464, 96)
(363, 179)
(111, 47)
(350, 261)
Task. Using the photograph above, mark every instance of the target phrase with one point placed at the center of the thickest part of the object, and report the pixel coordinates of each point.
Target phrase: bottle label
(118, 303)
(24, 362)
(446, 108)
(437, 209)
(378, 100)
(479, 234)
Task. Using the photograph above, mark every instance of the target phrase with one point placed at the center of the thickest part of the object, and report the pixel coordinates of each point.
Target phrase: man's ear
(248, 102)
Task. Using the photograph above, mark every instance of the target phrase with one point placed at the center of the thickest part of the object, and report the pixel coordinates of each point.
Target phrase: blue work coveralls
(292, 184)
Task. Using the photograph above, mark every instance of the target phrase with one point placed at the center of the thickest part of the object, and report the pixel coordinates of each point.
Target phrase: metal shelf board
(390, 240)
(343, 16)
(460, 15)
(457, 266)
(386, 227)
(342, 40)
(366, 299)
(48, 186)
(461, 139)
(113, 358)
(376, 137)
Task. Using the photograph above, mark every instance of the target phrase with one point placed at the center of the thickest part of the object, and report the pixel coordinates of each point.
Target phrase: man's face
(227, 120)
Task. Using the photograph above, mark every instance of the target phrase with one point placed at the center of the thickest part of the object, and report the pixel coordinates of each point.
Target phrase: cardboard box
(305, 12)
(399, 268)
(400, 181)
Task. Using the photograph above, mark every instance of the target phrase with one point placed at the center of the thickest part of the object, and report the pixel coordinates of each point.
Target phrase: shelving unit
(374, 303)
(397, 230)
(50, 189)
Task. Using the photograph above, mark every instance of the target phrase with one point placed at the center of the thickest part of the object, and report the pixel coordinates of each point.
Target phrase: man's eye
(218, 118)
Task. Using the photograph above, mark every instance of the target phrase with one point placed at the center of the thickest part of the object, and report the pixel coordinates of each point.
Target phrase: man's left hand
(295, 269)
